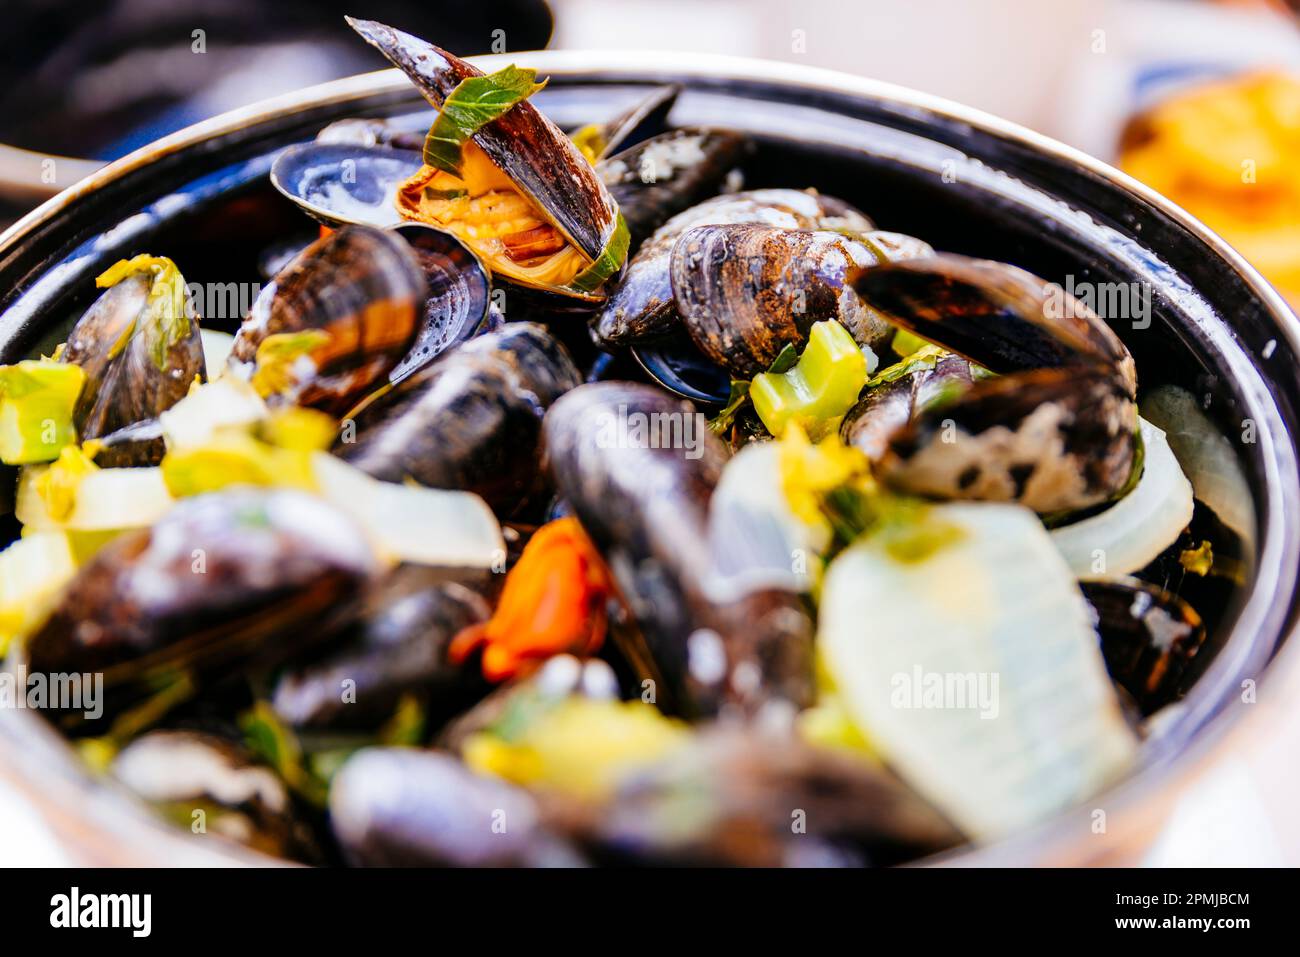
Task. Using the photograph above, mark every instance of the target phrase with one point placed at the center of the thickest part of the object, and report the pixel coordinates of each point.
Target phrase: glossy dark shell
(745, 782)
(123, 383)
(338, 184)
(471, 420)
(646, 509)
(640, 307)
(887, 408)
(458, 295)
(657, 179)
(1148, 638)
(644, 118)
(746, 291)
(221, 579)
(401, 807)
(362, 286)
(398, 646)
(1001, 317)
(528, 147)
(1054, 440)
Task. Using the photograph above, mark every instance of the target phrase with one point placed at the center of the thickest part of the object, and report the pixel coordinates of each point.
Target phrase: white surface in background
(1221, 822)
(24, 840)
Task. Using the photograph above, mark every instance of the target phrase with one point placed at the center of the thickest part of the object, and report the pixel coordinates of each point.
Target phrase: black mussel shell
(644, 118)
(678, 366)
(220, 580)
(401, 807)
(657, 179)
(887, 408)
(539, 159)
(747, 782)
(640, 306)
(643, 497)
(365, 289)
(124, 383)
(745, 291)
(996, 315)
(1148, 638)
(470, 420)
(459, 295)
(397, 647)
(343, 183)
(1054, 440)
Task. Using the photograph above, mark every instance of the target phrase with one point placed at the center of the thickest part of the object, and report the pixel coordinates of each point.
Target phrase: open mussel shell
(220, 580)
(1149, 638)
(645, 117)
(397, 647)
(338, 184)
(470, 420)
(996, 315)
(533, 152)
(1054, 440)
(682, 369)
(209, 784)
(363, 288)
(745, 291)
(658, 178)
(640, 306)
(124, 383)
(458, 295)
(638, 469)
(401, 807)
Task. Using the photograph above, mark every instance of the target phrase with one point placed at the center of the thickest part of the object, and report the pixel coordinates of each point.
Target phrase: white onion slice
(228, 402)
(105, 500)
(216, 350)
(1029, 723)
(755, 539)
(1206, 455)
(1130, 534)
(411, 523)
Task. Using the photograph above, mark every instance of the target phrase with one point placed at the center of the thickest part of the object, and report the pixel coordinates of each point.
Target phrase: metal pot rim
(1047, 841)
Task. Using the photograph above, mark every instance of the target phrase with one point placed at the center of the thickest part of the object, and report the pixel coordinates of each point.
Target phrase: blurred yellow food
(1229, 153)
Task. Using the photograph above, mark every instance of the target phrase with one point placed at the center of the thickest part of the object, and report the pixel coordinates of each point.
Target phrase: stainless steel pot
(961, 179)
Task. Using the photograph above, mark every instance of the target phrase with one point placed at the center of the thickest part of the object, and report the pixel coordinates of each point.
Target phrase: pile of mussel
(566, 503)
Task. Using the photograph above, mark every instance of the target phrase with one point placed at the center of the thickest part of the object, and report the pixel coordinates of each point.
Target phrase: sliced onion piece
(410, 523)
(975, 671)
(1130, 534)
(104, 500)
(216, 350)
(1206, 456)
(755, 539)
(229, 402)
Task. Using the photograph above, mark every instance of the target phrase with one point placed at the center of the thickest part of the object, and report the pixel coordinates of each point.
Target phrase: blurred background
(1198, 98)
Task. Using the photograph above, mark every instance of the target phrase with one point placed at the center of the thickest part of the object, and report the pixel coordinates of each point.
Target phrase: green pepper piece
(821, 387)
(37, 397)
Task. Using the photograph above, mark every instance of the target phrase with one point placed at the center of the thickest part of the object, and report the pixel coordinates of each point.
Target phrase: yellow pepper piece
(581, 746)
(821, 387)
(37, 397)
